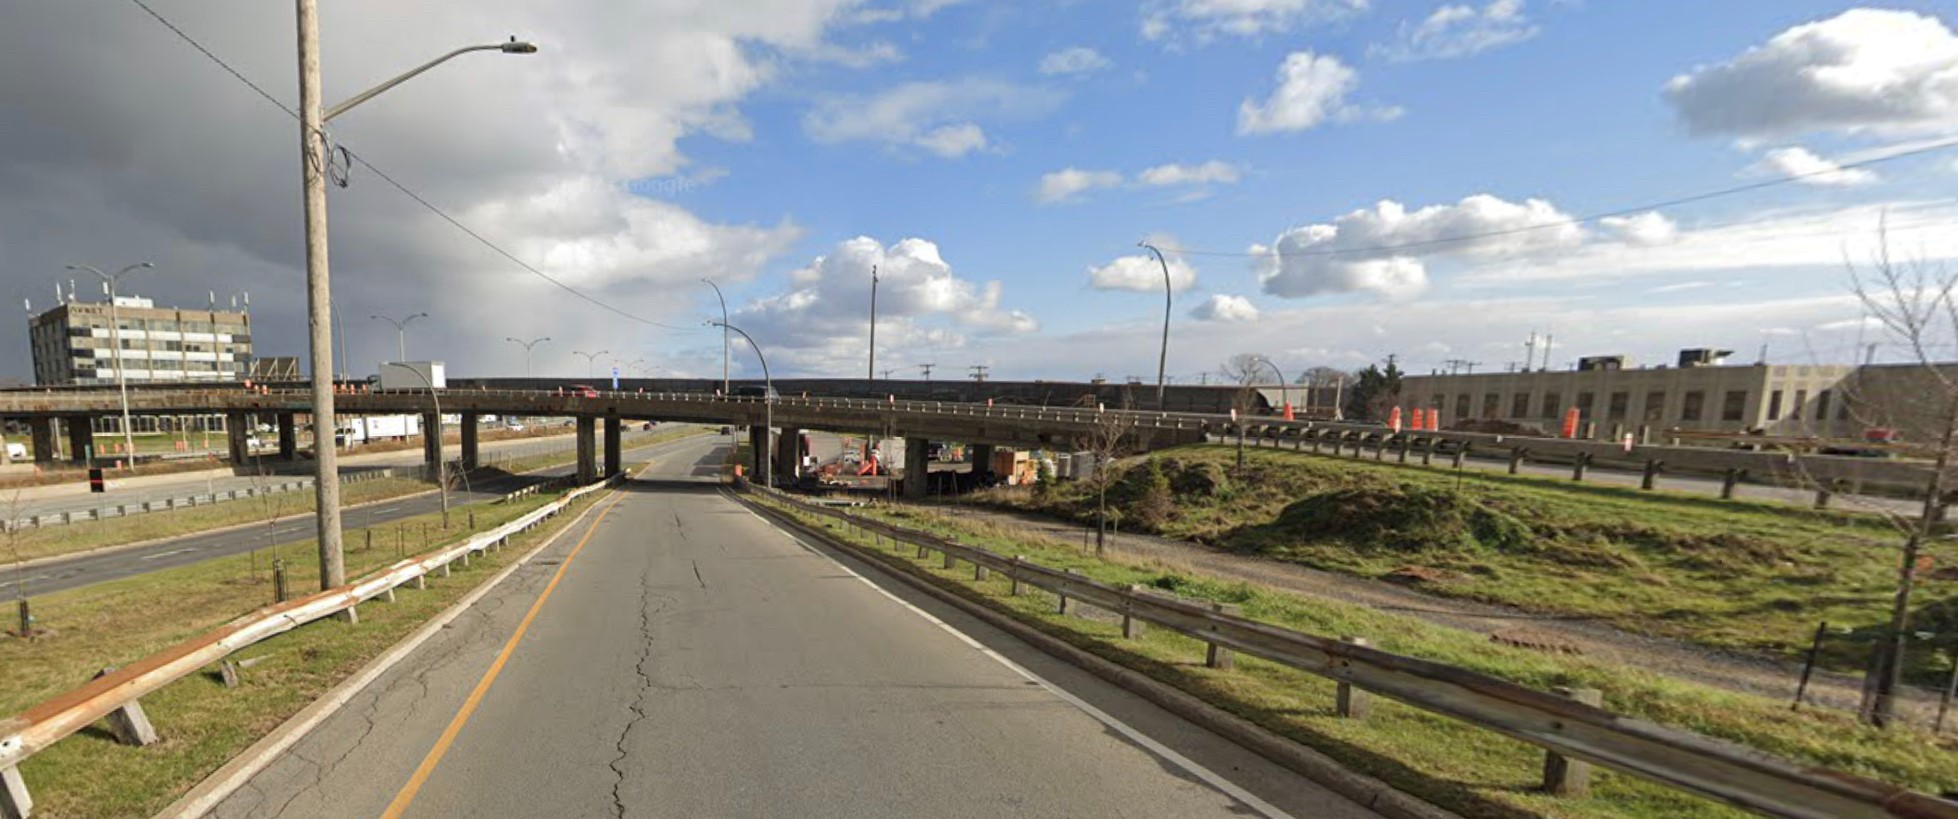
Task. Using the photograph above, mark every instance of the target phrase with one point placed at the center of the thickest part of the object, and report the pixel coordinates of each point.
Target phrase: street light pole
(527, 345)
(873, 323)
(115, 344)
(590, 360)
(768, 408)
(319, 295)
(401, 332)
(1284, 390)
(1162, 361)
(723, 300)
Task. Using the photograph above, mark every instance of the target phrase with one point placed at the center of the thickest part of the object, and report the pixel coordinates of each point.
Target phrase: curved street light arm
(511, 47)
(1162, 361)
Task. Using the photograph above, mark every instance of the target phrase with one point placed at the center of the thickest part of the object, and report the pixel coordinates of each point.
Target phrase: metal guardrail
(116, 694)
(1679, 759)
(123, 510)
(1016, 423)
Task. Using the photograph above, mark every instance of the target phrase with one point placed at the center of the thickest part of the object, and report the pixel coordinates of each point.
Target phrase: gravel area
(1672, 658)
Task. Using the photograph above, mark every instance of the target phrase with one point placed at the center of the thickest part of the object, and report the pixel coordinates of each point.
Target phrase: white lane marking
(167, 554)
(1208, 776)
(386, 509)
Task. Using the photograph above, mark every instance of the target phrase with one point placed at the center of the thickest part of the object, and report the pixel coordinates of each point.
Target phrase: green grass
(203, 724)
(50, 541)
(1469, 770)
(1755, 577)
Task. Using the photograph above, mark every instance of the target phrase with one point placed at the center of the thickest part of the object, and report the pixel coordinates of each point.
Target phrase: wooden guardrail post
(1515, 460)
(1217, 656)
(1131, 624)
(1061, 608)
(922, 551)
(979, 571)
(950, 561)
(1349, 702)
(1728, 481)
(128, 723)
(1563, 776)
(1461, 452)
(1406, 444)
(1825, 491)
(14, 801)
(1577, 470)
(1651, 476)
(1428, 453)
(1013, 574)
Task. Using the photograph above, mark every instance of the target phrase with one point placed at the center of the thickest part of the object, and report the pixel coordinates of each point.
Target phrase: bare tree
(10, 535)
(271, 506)
(1913, 302)
(1107, 440)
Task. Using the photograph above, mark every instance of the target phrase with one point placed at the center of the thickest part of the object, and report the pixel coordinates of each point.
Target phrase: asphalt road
(75, 497)
(83, 570)
(674, 655)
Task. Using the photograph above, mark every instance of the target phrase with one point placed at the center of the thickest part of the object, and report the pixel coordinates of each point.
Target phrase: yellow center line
(406, 795)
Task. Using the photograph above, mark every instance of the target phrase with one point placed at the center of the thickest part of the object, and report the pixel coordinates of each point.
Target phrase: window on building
(1822, 405)
(1519, 405)
(1655, 406)
(1693, 406)
(1553, 404)
(1621, 404)
(1801, 403)
(1842, 408)
(1734, 406)
(1774, 405)
(1462, 406)
(1491, 404)
(1584, 402)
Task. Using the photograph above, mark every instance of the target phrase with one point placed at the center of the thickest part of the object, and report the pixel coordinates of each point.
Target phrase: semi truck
(366, 428)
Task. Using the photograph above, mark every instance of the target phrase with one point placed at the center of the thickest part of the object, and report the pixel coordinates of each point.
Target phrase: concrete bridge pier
(81, 437)
(471, 453)
(757, 449)
(981, 456)
(40, 433)
(917, 467)
(432, 443)
(788, 454)
(614, 451)
(289, 437)
(587, 456)
(237, 437)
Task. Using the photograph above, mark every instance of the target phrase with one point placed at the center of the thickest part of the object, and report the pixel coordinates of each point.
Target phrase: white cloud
(1865, 69)
(1076, 60)
(1460, 31)
(1227, 308)
(1643, 230)
(1143, 274)
(1065, 184)
(1312, 88)
(935, 116)
(822, 323)
(954, 141)
(1205, 20)
(1385, 250)
(1214, 172)
(1808, 169)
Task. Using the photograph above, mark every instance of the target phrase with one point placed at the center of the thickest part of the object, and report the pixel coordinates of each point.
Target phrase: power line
(1596, 217)
(404, 189)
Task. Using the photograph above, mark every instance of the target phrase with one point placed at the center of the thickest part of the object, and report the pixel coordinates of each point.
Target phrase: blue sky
(665, 141)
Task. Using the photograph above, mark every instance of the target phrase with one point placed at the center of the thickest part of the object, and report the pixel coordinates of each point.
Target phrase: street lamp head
(514, 47)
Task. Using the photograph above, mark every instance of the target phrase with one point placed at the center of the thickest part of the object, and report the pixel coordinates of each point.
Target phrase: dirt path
(1673, 658)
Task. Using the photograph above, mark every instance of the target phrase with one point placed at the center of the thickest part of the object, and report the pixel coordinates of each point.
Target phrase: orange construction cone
(1288, 412)
(1417, 422)
(1571, 417)
(1394, 419)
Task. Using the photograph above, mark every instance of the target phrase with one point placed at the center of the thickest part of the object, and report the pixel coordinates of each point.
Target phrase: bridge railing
(1560, 725)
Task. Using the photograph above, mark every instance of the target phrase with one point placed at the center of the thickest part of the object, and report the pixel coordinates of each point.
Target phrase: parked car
(515, 427)
(648, 425)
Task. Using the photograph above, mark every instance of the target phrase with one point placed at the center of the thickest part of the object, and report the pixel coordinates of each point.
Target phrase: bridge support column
(432, 443)
(587, 457)
(288, 437)
(917, 467)
(981, 456)
(81, 437)
(471, 453)
(788, 454)
(614, 451)
(237, 437)
(40, 432)
(757, 450)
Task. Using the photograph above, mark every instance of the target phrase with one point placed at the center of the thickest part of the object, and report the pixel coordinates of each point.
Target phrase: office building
(74, 344)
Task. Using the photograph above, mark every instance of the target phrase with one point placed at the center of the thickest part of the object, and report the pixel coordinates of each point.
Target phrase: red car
(584, 390)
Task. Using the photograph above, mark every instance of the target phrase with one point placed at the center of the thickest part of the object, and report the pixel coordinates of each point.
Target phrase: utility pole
(887, 373)
(873, 323)
(979, 371)
(1529, 352)
(1391, 359)
(319, 298)
(927, 369)
(1546, 351)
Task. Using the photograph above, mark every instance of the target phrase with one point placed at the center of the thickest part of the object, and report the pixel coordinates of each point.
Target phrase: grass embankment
(202, 723)
(1729, 574)
(1475, 772)
(631, 441)
(50, 541)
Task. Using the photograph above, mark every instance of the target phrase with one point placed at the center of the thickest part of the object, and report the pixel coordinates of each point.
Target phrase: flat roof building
(74, 343)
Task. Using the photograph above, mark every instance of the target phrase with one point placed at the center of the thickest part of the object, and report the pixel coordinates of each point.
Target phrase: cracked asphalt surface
(696, 661)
